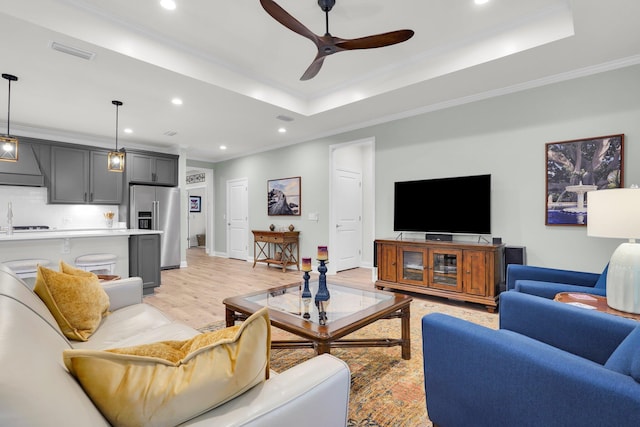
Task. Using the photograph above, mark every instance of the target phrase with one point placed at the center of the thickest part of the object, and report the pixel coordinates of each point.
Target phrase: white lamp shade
(614, 213)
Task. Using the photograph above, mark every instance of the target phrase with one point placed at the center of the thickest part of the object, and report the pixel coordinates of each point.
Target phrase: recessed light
(223, 147)
(481, 1)
(176, 101)
(128, 130)
(282, 130)
(168, 4)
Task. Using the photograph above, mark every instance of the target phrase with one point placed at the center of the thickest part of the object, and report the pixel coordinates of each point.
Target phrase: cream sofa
(37, 390)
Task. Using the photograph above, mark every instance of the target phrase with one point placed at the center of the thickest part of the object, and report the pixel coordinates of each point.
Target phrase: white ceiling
(237, 69)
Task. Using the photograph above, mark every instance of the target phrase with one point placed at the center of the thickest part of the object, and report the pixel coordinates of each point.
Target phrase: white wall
(309, 161)
(29, 206)
(504, 136)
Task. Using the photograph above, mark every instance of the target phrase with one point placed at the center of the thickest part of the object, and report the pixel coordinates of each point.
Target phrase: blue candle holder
(323, 292)
(306, 293)
(322, 296)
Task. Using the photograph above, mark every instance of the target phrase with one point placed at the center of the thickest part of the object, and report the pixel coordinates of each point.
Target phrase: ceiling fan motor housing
(326, 5)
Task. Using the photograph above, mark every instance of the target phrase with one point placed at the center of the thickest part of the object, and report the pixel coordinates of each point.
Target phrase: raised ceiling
(237, 69)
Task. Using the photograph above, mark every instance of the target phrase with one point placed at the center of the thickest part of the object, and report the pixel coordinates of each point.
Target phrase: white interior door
(238, 219)
(348, 216)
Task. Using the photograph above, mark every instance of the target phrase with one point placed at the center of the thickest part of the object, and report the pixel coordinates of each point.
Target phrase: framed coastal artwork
(195, 204)
(284, 196)
(576, 167)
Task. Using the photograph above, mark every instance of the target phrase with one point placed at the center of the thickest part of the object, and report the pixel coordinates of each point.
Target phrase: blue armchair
(549, 364)
(547, 282)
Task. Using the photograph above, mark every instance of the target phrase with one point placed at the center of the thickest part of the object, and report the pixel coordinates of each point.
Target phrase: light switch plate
(65, 246)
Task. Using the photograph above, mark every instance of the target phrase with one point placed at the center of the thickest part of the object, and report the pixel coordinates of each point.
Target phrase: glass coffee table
(322, 325)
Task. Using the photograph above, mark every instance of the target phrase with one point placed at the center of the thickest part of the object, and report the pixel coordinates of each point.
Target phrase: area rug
(386, 390)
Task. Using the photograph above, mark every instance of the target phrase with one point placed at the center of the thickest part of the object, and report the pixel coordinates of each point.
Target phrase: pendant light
(9, 144)
(115, 159)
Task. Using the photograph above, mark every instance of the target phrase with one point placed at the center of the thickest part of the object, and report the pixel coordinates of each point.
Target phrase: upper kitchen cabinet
(152, 168)
(105, 187)
(80, 175)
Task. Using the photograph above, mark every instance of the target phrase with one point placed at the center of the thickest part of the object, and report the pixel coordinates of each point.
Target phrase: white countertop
(71, 234)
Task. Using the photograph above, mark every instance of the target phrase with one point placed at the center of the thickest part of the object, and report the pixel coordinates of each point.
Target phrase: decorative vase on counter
(108, 216)
(272, 227)
(291, 227)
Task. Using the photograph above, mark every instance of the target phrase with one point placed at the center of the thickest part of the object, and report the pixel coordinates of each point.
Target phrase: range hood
(26, 171)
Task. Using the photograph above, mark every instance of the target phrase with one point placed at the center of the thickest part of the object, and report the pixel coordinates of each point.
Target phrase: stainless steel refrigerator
(158, 208)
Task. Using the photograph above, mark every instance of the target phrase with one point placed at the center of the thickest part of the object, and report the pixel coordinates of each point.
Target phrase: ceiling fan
(328, 44)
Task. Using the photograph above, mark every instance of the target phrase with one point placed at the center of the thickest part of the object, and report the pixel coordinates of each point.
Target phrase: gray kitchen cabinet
(69, 172)
(144, 260)
(80, 175)
(148, 168)
(105, 187)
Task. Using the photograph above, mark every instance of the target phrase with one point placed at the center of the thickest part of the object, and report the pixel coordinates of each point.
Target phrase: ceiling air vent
(284, 118)
(171, 133)
(72, 51)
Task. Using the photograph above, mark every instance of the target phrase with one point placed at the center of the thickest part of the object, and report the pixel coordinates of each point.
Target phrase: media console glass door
(445, 270)
(413, 265)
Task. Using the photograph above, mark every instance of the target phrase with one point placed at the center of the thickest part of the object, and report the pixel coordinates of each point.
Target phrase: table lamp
(615, 213)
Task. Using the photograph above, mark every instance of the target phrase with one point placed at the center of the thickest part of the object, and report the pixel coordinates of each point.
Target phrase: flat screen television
(444, 205)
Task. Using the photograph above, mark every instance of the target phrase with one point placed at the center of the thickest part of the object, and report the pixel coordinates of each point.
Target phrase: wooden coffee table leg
(322, 348)
(229, 316)
(406, 332)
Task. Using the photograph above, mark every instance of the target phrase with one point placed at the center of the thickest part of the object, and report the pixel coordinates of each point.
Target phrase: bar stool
(26, 268)
(101, 263)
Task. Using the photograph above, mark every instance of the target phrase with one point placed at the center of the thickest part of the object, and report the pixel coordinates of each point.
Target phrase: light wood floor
(194, 295)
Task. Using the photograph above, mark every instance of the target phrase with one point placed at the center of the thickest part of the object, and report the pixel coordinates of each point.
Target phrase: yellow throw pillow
(78, 303)
(170, 382)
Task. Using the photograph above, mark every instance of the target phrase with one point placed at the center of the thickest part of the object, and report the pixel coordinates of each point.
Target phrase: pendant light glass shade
(9, 144)
(115, 159)
(8, 149)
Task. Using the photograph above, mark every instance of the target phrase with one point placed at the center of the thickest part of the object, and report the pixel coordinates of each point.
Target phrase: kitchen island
(67, 244)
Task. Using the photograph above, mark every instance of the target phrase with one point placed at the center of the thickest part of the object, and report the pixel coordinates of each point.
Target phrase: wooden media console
(457, 270)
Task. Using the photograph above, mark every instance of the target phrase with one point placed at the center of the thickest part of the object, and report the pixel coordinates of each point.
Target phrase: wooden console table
(276, 247)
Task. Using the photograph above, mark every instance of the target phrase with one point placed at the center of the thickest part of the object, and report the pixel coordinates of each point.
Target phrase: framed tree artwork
(576, 167)
(284, 196)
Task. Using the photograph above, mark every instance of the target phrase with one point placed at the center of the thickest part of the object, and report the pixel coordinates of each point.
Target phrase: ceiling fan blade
(283, 17)
(314, 67)
(328, 44)
(378, 40)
